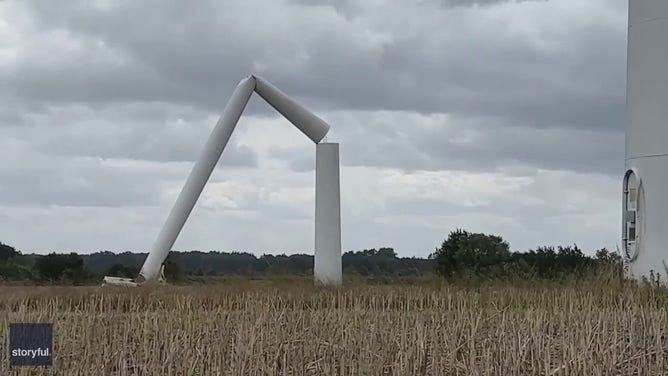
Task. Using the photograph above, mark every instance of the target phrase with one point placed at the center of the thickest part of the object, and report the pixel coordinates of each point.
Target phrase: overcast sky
(503, 117)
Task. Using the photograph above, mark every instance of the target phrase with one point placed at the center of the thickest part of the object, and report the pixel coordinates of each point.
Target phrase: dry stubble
(246, 327)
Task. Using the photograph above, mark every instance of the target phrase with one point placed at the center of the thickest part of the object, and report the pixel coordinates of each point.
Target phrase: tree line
(461, 255)
(464, 254)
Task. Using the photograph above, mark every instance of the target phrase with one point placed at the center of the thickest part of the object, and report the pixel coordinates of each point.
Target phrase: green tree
(11, 268)
(7, 252)
(604, 256)
(466, 253)
(60, 267)
(172, 269)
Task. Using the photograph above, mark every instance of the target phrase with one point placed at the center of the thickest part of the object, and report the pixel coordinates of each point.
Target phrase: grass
(288, 327)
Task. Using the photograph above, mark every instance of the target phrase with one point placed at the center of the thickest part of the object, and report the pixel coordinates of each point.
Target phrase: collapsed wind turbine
(327, 254)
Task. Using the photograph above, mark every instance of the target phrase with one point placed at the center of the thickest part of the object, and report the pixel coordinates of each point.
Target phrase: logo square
(31, 345)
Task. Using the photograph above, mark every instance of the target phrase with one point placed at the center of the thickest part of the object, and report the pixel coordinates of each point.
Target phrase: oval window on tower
(631, 215)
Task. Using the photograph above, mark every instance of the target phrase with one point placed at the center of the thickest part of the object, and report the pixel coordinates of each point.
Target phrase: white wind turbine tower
(327, 255)
(645, 208)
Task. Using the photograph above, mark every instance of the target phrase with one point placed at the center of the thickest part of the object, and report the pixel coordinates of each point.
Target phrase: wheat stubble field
(289, 327)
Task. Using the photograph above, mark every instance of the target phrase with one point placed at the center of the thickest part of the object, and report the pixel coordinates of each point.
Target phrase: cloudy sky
(503, 117)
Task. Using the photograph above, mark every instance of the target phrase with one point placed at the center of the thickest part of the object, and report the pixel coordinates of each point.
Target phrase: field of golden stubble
(289, 327)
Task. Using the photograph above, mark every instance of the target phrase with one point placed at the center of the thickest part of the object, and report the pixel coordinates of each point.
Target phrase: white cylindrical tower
(327, 255)
(645, 209)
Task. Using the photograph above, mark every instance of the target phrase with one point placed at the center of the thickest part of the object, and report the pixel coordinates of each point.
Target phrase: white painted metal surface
(645, 207)
(118, 281)
(197, 179)
(311, 125)
(327, 269)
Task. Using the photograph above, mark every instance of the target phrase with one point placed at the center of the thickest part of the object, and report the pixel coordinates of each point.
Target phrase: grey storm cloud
(446, 65)
(106, 54)
(150, 132)
(515, 80)
(473, 3)
(396, 140)
(491, 147)
(347, 4)
(177, 142)
(87, 182)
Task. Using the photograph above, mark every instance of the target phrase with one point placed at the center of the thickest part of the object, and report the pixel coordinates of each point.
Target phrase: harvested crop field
(289, 327)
